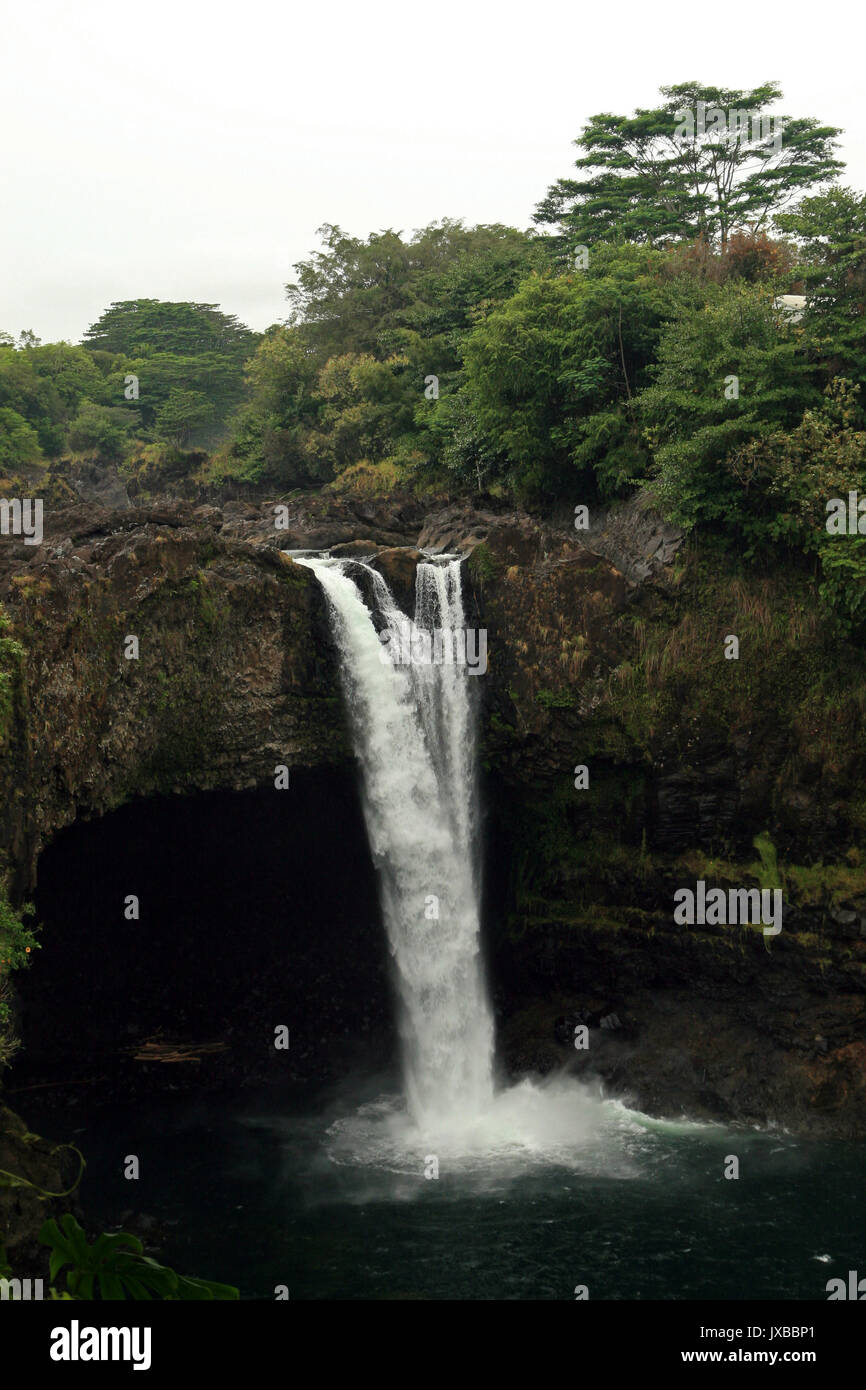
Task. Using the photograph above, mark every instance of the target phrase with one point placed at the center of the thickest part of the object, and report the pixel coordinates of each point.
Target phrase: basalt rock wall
(156, 655)
(626, 754)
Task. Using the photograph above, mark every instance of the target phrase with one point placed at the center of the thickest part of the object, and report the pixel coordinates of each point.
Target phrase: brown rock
(398, 567)
(354, 550)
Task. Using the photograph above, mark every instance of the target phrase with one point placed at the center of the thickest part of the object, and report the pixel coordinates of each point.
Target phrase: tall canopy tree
(178, 352)
(705, 163)
(140, 327)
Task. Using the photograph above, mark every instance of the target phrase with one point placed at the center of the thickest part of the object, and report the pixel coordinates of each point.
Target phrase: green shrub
(116, 1267)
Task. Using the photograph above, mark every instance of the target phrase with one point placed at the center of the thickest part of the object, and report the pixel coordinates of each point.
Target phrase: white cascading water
(414, 733)
(415, 737)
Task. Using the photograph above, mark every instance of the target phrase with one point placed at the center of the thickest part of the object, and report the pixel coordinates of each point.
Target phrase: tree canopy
(706, 162)
(142, 327)
(645, 342)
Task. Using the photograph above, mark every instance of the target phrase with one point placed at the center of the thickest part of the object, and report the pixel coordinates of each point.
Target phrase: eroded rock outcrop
(230, 669)
(691, 766)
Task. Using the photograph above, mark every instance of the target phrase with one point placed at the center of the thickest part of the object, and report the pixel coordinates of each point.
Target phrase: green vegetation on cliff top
(637, 335)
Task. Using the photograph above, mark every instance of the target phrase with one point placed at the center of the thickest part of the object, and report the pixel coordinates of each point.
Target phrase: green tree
(366, 410)
(551, 376)
(653, 177)
(384, 295)
(19, 442)
(787, 479)
(46, 384)
(371, 320)
(269, 431)
(348, 293)
(141, 327)
(71, 371)
(99, 430)
(730, 369)
(184, 414)
(216, 378)
(831, 231)
(176, 350)
(32, 397)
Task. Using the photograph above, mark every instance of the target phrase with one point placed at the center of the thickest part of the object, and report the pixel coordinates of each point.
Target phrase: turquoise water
(327, 1198)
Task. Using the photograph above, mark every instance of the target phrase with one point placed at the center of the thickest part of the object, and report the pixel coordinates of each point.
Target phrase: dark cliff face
(607, 653)
(606, 649)
(235, 672)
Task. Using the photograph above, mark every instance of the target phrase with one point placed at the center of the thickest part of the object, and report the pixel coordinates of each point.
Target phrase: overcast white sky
(189, 151)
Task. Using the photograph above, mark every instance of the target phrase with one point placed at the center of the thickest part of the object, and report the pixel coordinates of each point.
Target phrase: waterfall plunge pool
(325, 1193)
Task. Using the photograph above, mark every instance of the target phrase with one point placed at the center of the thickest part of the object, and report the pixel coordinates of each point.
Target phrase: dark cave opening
(256, 909)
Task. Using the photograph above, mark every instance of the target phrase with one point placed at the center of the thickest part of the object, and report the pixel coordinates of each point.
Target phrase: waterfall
(414, 735)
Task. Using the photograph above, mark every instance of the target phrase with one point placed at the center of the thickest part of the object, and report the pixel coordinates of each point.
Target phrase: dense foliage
(705, 163)
(17, 941)
(146, 373)
(115, 1267)
(643, 341)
